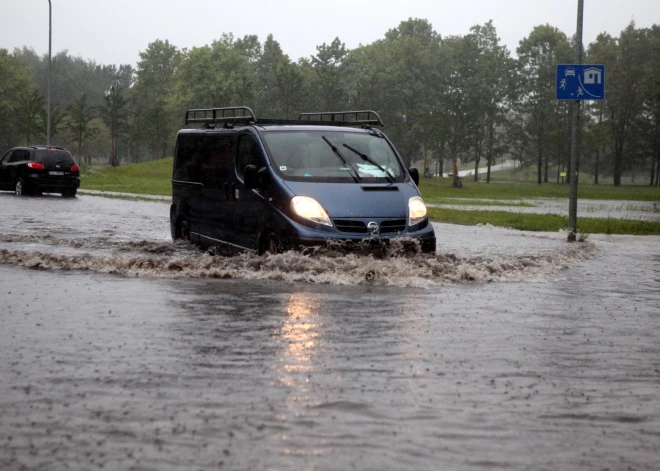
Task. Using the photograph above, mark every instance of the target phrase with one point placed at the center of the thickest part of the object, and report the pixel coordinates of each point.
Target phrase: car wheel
(183, 230)
(69, 193)
(20, 188)
(273, 244)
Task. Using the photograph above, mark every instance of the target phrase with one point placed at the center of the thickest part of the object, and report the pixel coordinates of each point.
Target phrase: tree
(16, 82)
(329, 67)
(460, 57)
(113, 113)
(78, 124)
(489, 95)
(28, 110)
(538, 55)
(155, 88)
(624, 60)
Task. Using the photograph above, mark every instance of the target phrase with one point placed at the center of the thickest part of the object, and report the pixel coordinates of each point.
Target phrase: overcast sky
(115, 31)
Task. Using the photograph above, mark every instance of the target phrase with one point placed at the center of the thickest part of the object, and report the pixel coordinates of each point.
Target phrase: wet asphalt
(509, 350)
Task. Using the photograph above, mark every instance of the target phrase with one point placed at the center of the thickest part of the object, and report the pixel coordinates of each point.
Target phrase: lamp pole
(50, 36)
(575, 136)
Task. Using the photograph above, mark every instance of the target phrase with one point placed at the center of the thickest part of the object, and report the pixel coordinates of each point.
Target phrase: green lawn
(150, 178)
(434, 190)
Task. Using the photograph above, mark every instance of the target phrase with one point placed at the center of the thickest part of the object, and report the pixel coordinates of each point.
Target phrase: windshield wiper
(366, 158)
(355, 174)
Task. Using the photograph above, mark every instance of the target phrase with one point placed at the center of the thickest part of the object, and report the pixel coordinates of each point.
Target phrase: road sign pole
(575, 136)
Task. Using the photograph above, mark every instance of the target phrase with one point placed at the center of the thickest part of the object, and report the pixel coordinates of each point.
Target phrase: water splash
(400, 263)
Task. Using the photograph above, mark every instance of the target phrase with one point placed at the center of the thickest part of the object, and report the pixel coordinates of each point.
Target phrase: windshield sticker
(283, 168)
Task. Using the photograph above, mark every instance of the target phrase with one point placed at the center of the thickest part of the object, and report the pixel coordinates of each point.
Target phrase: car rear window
(53, 157)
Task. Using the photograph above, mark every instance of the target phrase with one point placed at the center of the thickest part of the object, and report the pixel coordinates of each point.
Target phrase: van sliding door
(217, 204)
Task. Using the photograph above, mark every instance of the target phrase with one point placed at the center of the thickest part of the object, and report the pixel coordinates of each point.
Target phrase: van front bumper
(306, 237)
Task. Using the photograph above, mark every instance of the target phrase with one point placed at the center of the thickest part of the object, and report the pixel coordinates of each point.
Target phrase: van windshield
(306, 156)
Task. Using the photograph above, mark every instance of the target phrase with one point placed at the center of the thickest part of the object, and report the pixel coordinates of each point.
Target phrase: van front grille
(349, 225)
(389, 226)
(393, 225)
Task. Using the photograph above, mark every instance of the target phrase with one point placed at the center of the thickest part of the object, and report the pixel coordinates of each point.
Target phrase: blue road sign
(580, 82)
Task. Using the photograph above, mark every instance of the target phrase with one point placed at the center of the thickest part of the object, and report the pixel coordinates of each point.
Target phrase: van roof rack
(237, 115)
(230, 115)
(346, 118)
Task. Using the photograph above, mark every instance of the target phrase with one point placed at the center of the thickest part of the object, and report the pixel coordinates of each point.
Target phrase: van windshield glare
(306, 156)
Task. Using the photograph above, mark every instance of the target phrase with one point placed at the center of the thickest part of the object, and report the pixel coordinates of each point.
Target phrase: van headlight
(416, 210)
(310, 209)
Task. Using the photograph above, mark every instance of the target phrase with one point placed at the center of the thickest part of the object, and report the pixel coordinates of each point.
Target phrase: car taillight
(35, 166)
(75, 168)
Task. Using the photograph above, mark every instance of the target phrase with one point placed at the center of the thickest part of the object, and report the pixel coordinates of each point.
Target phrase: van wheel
(69, 193)
(183, 230)
(273, 244)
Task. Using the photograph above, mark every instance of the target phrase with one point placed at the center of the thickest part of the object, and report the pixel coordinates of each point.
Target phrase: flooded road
(506, 350)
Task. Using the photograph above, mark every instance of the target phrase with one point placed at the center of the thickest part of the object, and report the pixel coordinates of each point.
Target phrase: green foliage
(449, 99)
(15, 82)
(79, 123)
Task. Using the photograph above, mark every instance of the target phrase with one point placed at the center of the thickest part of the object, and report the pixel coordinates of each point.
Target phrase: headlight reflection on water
(299, 336)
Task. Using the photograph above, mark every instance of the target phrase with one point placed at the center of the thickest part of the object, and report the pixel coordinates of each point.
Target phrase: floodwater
(505, 350)
(634, 210)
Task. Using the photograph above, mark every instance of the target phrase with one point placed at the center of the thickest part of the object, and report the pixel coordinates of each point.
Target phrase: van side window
(248, 154)
(187, 165)
(216, 155)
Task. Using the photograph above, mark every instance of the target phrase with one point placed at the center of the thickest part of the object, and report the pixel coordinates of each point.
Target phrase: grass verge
(148, 178)
(467, 202)
(434, 190)
(544, 222)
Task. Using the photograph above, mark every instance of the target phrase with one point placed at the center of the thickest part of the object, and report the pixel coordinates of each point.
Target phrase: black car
(39, 169)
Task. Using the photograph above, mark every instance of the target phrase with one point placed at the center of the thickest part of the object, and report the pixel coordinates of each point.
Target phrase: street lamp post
(50, 35)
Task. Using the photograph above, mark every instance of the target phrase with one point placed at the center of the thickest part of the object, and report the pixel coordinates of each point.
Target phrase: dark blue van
(269, 185)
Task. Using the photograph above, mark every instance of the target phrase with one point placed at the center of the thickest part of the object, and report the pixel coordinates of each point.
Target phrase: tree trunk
(539, 164)
(80, 157)
(489, 160)
(597, 169)
(476, 167)
(545, 170)
(112, 150)
(618, 157)
(454, 157)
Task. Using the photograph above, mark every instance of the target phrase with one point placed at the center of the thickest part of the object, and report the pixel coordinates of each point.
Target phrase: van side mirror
(250, 177)
(414, 174)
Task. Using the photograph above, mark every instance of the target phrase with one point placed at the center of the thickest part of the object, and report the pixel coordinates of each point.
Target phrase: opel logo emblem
(57, 166)
(373, 228)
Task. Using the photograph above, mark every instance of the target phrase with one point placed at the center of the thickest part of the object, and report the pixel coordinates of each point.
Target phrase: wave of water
(399, 264)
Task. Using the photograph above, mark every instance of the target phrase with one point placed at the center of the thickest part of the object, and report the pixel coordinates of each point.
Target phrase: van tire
(183, 230)
(273, 244)
(69, 193)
